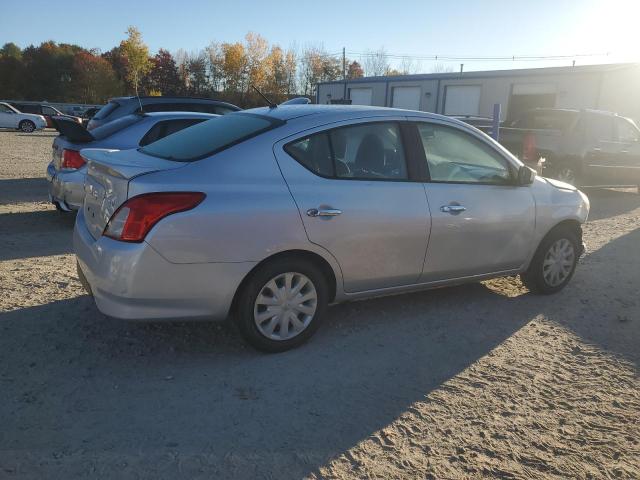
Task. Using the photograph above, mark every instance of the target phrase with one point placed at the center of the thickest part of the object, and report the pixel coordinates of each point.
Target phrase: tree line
(60, 72)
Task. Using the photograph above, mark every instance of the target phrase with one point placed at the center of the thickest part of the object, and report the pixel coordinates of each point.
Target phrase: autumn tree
(354, 70)
(163, 76)
(137, 54)
(317, 66)
(215, 66)
(234, 67)
(93, 79)
(197, 73)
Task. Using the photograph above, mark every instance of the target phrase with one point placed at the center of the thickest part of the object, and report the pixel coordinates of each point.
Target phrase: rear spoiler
(71, 129)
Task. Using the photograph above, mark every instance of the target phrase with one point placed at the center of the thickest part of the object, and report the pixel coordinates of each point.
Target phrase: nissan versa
(271, 214)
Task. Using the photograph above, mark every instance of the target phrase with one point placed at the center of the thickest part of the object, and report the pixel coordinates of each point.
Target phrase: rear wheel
(554, 262)
(27, 126)
(282, 304)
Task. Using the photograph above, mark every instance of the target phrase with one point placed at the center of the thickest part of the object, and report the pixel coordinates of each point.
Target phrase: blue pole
(495, 129)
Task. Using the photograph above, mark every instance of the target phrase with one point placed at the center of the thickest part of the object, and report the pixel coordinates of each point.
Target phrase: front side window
(457, 157)
(362, 152)
(627, 132)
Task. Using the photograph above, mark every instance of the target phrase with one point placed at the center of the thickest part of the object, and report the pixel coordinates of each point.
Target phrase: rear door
(481, 221)
(358, 200)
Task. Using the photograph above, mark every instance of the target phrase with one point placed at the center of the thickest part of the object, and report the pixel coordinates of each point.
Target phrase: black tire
(534, 278)
(252, 287)
(27, 126)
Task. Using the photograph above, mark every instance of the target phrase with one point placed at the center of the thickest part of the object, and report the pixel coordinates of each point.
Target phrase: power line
(511, 58)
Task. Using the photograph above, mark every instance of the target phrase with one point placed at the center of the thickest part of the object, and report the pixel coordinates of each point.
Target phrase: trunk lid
(107, 183)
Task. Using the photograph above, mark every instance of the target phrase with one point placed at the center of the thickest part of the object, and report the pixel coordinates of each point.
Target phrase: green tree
(137, 54)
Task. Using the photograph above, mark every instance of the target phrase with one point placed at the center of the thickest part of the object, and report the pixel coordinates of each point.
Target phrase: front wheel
(554, 262)
(282, 304)
(27, 126)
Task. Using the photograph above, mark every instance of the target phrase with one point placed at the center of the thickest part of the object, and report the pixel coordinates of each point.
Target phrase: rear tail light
(72, 159)
(529, 150)
(134, 218)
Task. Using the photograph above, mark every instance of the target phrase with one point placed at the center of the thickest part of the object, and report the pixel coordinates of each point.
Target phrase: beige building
(613, 87)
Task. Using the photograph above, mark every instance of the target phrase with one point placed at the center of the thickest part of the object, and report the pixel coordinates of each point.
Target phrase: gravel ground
(482, 380)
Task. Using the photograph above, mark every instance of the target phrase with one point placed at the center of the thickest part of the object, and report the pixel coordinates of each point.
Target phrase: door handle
(323, 212)
(452, 209)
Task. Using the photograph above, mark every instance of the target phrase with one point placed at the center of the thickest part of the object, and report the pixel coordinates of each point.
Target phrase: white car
(27, 122)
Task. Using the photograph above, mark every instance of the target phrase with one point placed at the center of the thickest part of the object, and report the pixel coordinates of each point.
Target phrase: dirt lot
(483, 380)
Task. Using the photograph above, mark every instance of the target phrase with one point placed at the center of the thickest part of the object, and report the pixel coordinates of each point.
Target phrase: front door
(602, 154)
(7, 117)
(628, 162)
(481, 221)
(357, 200)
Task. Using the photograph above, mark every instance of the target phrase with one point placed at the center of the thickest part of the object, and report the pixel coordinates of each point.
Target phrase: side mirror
(526, 175)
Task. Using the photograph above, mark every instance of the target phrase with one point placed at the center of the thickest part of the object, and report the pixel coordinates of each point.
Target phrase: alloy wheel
(558, 262)
(285, 306)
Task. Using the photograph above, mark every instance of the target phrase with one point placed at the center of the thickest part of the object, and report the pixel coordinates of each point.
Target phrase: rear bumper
(66, 188)
(132, 281)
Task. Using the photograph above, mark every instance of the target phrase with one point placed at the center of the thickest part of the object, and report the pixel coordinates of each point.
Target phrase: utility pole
(344, 73)
(344, 65)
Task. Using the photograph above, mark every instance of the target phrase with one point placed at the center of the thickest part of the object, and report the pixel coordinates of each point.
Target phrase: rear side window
(107, 110)
(166, 128)
(371, 151)
(210, 137)
(627, 132)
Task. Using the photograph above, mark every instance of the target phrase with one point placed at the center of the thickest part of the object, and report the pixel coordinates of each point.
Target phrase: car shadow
(35, 234)
(17, 190)
(607, 202)
(147, 392)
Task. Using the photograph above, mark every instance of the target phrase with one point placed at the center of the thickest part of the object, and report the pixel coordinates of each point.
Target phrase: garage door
(406, 97)
(462, 100)
(360, 96)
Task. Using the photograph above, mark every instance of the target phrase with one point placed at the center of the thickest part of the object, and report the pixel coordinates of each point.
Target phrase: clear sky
(407, 27)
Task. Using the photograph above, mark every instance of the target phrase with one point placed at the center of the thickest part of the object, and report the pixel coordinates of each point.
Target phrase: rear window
(115, 126)
(210, 137)
(107, 110)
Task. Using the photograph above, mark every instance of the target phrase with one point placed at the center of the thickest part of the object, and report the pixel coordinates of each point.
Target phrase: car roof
(155, 99)
(343, 112)
(170, 115)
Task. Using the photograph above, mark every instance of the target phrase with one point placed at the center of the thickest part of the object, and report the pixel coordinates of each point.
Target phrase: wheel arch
(298, 254)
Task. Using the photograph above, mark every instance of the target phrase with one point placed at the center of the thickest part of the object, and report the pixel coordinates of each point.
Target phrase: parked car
(580, 147)
(67, 170)
(88, 114)
(10, 117)
(121, 106)
(47, 111)
(274, 213)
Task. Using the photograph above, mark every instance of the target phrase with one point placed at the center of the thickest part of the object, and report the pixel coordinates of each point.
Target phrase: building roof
(492, 73)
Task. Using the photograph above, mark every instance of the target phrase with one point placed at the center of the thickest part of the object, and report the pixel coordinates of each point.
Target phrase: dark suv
(121, 106)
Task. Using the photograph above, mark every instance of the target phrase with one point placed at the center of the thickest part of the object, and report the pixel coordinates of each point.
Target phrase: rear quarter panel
(247, 216)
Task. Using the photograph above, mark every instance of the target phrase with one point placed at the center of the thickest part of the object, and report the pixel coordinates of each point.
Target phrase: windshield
(210, 137)
(106, 110)
(6, 107)
(110, 128)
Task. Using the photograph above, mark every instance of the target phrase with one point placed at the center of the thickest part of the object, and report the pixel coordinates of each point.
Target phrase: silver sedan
(272, 214)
